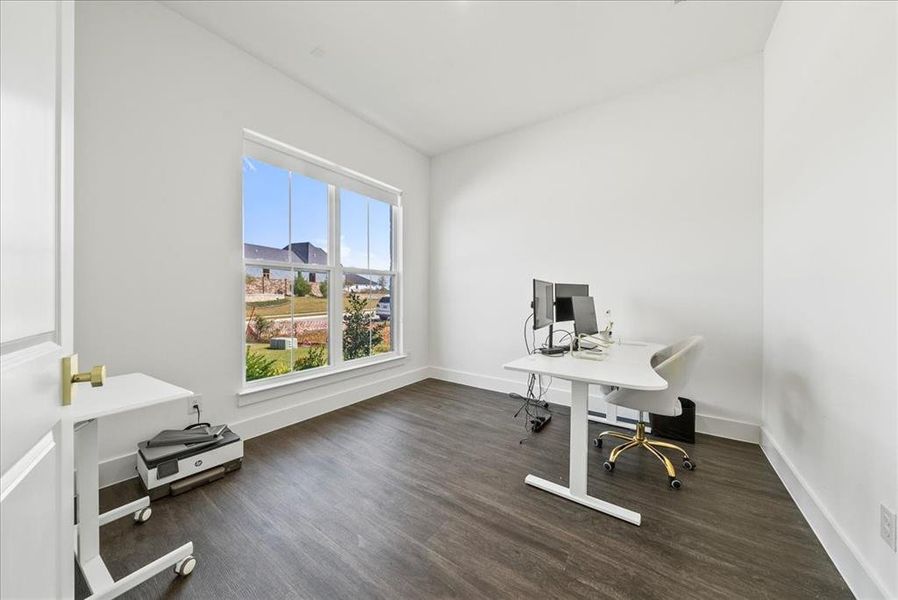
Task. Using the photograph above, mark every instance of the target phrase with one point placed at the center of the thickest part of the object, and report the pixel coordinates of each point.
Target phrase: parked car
(383, 309)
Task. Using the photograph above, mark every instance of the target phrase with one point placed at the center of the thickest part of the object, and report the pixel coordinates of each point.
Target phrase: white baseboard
(728, 428)
(121, 468)
(845, 556)
(262, 424)
(716, 426)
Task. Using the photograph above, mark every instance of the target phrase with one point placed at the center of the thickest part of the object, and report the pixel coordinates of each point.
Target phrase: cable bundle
(533, 405)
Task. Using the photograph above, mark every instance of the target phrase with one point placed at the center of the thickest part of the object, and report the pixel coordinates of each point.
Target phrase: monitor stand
(552, 348)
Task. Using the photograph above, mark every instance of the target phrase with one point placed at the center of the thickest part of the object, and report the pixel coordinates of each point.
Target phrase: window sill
(291, 384)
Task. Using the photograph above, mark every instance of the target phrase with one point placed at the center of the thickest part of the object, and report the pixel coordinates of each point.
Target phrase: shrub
(383, 329)
(322, 287)
(259, 366)
(316, 357)
(301, 287)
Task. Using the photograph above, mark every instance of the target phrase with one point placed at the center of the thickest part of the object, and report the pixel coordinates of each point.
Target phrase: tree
(358, 335)
(301, 287)
(264, 327)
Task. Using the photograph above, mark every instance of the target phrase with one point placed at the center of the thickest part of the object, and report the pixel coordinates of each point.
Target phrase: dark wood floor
(420, 493)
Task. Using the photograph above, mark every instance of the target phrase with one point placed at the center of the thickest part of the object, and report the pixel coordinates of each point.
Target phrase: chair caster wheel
(185, 566)
(597, 442)
(675, 483)
(689, 464)
(143, 515)
(609, 466)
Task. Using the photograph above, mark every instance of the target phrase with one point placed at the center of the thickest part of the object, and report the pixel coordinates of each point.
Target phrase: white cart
(119, 394)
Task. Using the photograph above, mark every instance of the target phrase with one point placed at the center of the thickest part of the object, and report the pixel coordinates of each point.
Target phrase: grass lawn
(282, 356)
(305, 305)
(286, 358)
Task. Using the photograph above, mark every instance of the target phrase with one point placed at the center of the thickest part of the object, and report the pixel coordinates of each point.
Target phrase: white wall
(829, 409)
(160, 108)
(653, 199)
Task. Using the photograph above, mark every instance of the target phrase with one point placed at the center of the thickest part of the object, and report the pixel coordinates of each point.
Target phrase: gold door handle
(70, 376)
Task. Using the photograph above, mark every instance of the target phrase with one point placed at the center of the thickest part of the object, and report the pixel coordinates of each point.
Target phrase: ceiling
(439, 75)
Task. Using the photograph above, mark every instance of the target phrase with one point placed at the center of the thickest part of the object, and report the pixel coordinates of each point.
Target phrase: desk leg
(579, 447)
(87, 482)
(579, 450)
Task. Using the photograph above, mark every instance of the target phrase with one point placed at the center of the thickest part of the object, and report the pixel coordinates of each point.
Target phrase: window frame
(336, 177)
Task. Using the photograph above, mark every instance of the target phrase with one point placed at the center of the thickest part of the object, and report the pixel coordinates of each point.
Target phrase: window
(320, 258)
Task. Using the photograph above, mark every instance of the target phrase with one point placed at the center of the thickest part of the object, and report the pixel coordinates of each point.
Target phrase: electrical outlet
(192, 403)
(887, 526)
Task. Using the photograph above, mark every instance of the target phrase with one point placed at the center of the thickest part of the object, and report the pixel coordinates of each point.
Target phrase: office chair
(674, 364)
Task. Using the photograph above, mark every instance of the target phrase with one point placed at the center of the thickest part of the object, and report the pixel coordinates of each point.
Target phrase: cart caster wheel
(675, 483)
(597, 442)
(609, 466)
(143, 515)
(689, 464)
(185, 566)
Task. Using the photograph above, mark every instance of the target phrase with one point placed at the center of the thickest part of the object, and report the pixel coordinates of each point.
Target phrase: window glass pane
(382, 331)
(380, 226)
(308, 226)
(266, 210)
(366, 232)
(270, 339)
(353, 229)
(287, 236)
(310, 320)
(367, 315)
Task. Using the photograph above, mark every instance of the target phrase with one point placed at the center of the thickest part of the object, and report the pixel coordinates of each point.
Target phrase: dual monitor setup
(554, 303)
(560, 303)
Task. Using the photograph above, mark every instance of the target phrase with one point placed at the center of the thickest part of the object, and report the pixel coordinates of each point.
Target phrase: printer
(176, 461)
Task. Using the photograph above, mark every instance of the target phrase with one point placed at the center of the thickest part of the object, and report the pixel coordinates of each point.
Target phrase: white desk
(628, 365)
(119, 394)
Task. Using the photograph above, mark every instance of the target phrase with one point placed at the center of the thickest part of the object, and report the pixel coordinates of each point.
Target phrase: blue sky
(266, 201)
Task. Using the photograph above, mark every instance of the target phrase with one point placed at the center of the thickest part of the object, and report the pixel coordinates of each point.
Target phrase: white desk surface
(628, 365)
(121, 394)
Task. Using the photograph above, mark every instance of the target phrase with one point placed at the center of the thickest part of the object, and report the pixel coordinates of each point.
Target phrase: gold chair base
(641, 441)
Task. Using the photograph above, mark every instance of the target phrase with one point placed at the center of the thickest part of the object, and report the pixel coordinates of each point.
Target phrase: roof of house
(302, 253)
(355, 279)
(308, 253)
(257, 252)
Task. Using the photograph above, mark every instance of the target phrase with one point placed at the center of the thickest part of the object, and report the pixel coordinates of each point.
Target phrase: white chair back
(675, 364)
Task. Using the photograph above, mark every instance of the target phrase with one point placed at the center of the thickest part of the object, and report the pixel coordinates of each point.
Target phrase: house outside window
(322, 275)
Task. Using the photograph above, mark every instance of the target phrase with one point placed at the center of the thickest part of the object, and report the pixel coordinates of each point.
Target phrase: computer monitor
(585, 315)
(564, 293)
(543, 304)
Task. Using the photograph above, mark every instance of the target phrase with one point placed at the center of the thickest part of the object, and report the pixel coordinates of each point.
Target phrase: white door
(36, 489)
